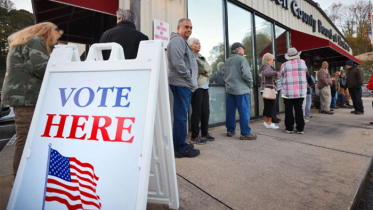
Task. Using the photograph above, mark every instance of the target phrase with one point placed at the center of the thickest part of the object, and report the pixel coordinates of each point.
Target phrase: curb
(363, 187)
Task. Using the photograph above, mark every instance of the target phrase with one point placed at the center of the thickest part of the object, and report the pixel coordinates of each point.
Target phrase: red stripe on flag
(84, 179)
(64, 201)
(52, 181)
(86, 165)
(83, 172)
(83, 185)
(71, 197)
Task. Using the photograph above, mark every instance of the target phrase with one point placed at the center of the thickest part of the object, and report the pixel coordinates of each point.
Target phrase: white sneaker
(305, 120)
(265, 124)
(272, 126)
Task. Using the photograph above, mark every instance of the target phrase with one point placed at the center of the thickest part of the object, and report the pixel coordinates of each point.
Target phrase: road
(7, 131)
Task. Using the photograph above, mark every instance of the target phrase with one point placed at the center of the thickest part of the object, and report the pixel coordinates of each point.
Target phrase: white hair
(266, 57)
(126, 14)
(220, 65)
(191, 41)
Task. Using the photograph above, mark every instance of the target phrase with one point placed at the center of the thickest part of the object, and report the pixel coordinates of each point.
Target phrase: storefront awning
(305, 42)
(82, 21)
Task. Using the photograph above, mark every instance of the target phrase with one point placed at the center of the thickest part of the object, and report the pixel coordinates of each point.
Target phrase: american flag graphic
(71, 182)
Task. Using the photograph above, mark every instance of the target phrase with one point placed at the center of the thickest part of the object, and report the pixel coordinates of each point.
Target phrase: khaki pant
(345, 91)
(325, 98)
(23, 117)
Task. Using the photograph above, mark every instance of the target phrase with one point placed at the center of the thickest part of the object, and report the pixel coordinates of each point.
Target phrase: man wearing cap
(238, 83)
(324, 84)
(294, 90)
(355, 81)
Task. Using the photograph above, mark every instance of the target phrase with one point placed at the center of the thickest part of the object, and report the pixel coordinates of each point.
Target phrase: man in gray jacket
(238, 83)
(183, 82)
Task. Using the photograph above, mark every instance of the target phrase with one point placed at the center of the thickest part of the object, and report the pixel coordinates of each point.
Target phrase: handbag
(269, 93)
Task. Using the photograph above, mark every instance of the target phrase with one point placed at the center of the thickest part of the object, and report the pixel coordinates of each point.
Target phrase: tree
(354, 23)
(12, 20)
(217, 56)
(7, 4)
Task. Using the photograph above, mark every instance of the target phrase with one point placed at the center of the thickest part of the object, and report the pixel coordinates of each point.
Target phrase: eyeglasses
(57, 29)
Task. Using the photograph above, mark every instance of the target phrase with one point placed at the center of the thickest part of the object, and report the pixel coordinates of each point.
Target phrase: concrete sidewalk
(321, 169)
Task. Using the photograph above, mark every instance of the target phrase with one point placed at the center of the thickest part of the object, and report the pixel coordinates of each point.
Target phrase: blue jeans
(308, 105)
(343, 98)
(334, 100)
(182, 97)
(242, 103)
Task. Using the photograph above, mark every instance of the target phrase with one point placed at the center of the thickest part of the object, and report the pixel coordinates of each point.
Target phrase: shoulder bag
(269, 93)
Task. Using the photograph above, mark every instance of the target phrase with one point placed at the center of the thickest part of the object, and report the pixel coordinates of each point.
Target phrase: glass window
(208, 28)
(264, 44)
(281, 46)
(240, 30)
(207, 20)
(264, 40)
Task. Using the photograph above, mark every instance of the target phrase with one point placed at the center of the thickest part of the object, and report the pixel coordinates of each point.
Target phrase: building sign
(309, 20)
(161, 30)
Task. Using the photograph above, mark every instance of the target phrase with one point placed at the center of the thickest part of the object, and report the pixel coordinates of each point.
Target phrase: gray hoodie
(181, 63)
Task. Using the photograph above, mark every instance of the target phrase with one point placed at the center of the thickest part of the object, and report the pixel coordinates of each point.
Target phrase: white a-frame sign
(101, 135)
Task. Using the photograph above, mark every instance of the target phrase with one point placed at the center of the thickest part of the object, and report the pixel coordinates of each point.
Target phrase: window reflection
(281, 46)
(207, 20)
(208, 28)
(264, 40)
(240, 30)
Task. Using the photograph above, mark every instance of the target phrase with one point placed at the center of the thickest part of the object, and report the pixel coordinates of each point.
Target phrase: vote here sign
(87, 139)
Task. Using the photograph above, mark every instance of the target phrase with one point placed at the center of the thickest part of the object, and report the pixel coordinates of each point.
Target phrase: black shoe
(371, 123)
(359, 113)
(198, 140)
(332, 110)
(187, 153)
(229, 134)
(190, 146)
(353, 112)
(275, 120)
(208, 137)
(289, 131)
(327, 112)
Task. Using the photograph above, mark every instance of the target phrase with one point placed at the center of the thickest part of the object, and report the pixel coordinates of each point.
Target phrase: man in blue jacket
(183, 82)
(238, 83)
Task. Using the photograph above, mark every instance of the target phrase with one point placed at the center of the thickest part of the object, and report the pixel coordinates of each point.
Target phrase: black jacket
(355, 77)
(127, 36)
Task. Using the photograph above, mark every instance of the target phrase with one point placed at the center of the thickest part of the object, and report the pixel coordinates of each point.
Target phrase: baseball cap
(237, 45)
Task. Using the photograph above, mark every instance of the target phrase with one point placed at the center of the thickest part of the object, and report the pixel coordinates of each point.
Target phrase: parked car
(5, 111)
